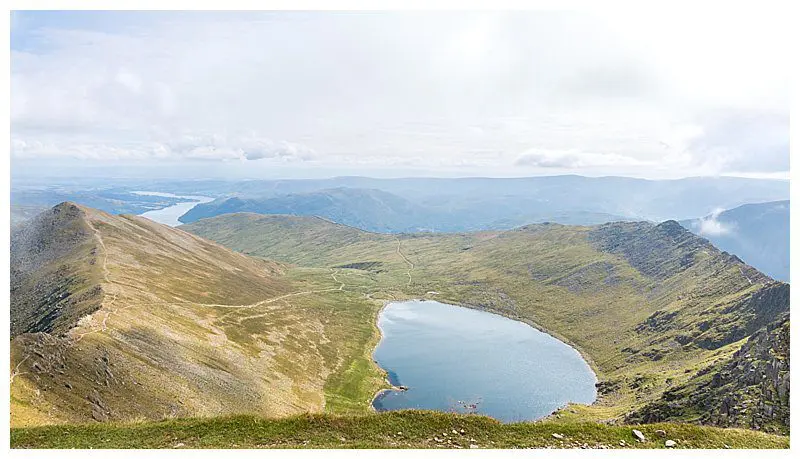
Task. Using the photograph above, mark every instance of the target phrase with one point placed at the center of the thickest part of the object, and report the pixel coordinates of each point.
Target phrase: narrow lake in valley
(457, 359)
(169, 215)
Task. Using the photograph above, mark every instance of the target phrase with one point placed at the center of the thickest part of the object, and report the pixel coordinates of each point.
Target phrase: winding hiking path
(410, 264)
(340, 288)
(16, 371)
(107, 280)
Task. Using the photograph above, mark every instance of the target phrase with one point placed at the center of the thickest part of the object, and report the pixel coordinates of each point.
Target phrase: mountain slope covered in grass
(648, 305)
(109, 310)
(190, 328)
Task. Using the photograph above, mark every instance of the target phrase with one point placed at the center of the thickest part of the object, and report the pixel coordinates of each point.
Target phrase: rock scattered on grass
(639, 435)
(670, 443)
(661, 433)
(558, 436)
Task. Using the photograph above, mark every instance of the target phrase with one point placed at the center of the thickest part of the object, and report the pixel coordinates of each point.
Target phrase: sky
(653, 94)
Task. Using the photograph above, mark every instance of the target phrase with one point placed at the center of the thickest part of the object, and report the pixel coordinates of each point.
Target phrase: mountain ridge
(187, 328)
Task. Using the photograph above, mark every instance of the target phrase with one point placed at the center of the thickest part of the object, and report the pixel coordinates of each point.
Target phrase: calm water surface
(169, 215)
(462, 360)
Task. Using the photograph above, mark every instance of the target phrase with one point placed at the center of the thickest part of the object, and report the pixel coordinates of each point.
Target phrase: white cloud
(575, 159)
(711, 226)
(669, 93)
(187, 147)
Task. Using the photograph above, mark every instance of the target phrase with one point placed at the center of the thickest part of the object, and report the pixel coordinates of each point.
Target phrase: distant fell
(757, 233)
(475, 204)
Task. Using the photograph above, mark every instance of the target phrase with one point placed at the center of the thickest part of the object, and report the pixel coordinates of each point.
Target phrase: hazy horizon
(316, 94)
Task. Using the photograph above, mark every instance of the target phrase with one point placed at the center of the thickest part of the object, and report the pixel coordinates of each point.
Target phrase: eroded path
(410, 264)
(107, 280)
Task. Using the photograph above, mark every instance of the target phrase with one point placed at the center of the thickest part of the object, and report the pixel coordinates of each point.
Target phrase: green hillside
(649, 306)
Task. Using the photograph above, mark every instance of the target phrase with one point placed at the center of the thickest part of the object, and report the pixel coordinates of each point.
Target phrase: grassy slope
(189, 328)
(314, 349)
(563, 279)
(406, 429)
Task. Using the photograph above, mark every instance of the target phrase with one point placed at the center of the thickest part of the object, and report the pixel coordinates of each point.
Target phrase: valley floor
(399, 429)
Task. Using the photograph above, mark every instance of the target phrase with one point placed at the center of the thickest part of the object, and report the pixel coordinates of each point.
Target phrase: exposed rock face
(53, 271)
(751, 389)
(746, 316)
(658, 252)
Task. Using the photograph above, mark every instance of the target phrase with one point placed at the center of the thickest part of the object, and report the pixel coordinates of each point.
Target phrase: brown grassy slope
(186, 327)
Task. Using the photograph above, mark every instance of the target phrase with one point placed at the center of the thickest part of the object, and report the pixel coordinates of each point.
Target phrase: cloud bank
(661, 93)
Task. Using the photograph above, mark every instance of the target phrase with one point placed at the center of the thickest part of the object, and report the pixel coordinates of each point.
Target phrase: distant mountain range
(380, 211)
(469, 204)
(756, 233)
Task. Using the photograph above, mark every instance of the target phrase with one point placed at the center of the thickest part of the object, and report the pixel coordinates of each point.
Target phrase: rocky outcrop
(657, 251)
(745, 316)
(751, 389)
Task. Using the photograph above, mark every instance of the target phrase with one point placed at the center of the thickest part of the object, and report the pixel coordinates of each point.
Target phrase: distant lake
(169, 215)
(463, 360)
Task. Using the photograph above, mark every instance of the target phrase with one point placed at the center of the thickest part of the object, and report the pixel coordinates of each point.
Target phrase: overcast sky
(662, 94)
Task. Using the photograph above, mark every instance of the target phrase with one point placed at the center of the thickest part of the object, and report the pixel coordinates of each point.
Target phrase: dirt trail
(107, 280)
(16, 371)
(410, 264)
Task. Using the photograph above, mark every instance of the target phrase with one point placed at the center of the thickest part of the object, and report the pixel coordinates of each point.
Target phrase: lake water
(169, 215)
(463, 360)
